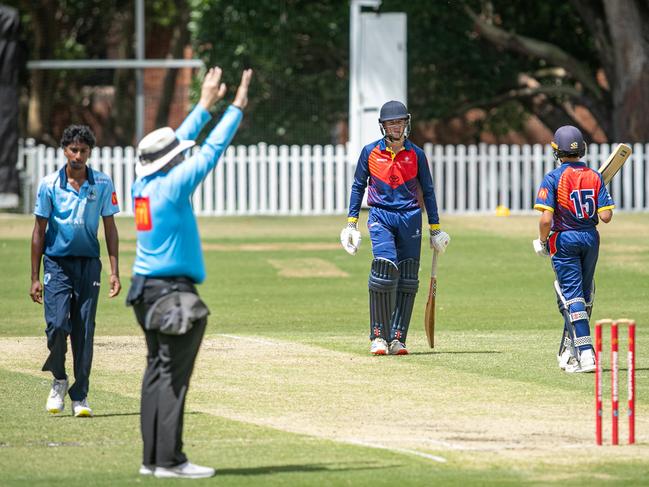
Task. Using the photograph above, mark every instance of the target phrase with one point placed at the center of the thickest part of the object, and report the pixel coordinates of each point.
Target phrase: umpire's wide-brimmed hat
(156, 149)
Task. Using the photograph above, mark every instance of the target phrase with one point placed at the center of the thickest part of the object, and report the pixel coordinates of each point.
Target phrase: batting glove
(439, 240)
(350, 237)
(540, 247)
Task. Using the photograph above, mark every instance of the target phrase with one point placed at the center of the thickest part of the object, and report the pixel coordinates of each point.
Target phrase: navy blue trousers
(71, 291)
(574, 258)
(395, 235)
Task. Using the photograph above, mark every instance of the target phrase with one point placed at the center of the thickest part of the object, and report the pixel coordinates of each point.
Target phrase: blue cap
(393, 110)
(569, 140)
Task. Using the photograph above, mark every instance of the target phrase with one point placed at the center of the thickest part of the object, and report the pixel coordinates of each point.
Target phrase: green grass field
(286, 393)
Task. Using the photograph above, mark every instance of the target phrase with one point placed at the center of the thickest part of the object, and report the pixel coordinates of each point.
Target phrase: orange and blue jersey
(393, 180)
(576, 195)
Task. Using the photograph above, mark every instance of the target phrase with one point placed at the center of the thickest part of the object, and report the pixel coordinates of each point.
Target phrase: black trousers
(170, 363)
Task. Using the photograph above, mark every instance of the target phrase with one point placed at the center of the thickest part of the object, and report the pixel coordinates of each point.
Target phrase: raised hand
(241, 98)
(212, 90)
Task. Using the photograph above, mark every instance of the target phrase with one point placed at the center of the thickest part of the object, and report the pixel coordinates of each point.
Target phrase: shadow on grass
(432, 352)
(624, 369)
(112, 415)
(314, 467)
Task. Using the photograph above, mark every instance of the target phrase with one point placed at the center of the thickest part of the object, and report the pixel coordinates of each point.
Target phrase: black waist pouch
(171, 305)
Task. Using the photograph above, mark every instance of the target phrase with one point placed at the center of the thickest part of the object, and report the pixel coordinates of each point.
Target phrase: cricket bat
(429, 320)
(615, 162)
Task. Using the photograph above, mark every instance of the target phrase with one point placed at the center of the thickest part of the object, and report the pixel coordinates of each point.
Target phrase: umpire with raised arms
(168, 265)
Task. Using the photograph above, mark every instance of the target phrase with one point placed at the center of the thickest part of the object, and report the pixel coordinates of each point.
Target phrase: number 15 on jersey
(584, 201)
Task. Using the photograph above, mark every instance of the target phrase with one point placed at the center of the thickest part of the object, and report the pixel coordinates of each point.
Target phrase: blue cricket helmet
(568, 142)
(393, 110)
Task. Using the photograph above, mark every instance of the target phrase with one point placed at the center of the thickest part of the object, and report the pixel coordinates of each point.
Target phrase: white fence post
(294, 181)
(472, 168)
(283, 180)
(341, 185)
(318, 205)
(329, 179)
(461, 182)
(242, 180)
(307, 178)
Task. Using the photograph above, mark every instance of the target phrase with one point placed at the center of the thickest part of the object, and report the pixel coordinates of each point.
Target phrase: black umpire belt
(173, 304)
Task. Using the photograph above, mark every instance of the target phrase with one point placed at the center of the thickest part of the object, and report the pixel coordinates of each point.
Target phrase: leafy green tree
(299, 51)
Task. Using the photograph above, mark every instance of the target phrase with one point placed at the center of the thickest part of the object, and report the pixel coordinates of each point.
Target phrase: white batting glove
(439, 240)
(350, 238)
(540, 247)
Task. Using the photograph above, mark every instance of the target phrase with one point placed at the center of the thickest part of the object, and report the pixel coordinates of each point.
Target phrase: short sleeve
(604, 200)
(545, 195)
(43, 205)
(109, 205)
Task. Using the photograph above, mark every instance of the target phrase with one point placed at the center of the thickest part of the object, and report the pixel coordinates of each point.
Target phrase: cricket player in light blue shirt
(168, 264)
(68, 206)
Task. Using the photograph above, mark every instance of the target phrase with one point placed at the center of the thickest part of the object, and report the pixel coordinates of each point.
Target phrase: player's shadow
(455, 352)
(624, 369)
(112, 415)
(309, 467)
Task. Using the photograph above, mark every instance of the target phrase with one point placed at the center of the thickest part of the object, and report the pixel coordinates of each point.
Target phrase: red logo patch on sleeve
(543, 194)
(114, 198)
(143, 214)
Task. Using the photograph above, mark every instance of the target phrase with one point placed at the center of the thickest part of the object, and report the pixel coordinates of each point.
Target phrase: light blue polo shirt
(73, 217)
(168, 243)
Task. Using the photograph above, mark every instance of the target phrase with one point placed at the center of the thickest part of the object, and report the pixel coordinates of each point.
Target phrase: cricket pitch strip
(393, 403)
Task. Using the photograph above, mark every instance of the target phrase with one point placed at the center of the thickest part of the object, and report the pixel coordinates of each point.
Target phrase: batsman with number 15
(572, 199)
(392, 168)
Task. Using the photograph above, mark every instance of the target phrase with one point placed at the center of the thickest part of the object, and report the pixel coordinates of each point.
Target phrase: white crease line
(427, 456)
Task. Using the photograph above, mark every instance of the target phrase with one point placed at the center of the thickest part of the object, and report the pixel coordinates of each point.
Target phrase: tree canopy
(583, 62)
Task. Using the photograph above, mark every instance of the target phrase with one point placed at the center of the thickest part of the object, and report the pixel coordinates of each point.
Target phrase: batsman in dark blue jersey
(572, 199)
(392, 169)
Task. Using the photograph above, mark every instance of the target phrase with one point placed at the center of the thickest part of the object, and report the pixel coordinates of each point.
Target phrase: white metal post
(354, 65)
(139, 72)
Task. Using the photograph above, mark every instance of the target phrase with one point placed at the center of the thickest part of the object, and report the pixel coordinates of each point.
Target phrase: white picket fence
(316, 180)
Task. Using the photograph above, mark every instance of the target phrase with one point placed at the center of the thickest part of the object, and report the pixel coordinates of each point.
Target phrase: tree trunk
(628, 24)
(123, 80)
(180, 38)
(42, 81)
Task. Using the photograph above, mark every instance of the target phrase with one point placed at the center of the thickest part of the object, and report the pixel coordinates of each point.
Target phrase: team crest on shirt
(92, 194)
(543, 193)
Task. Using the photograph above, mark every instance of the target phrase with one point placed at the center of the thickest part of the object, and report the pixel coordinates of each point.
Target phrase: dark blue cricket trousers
(71, 291)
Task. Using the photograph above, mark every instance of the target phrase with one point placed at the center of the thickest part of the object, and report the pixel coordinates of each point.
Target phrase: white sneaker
(185, 470)
(587, 358)
(146, 470)
(55, 402)
(379, 347)
(398, 348)
(564, 358)
(81, 409)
